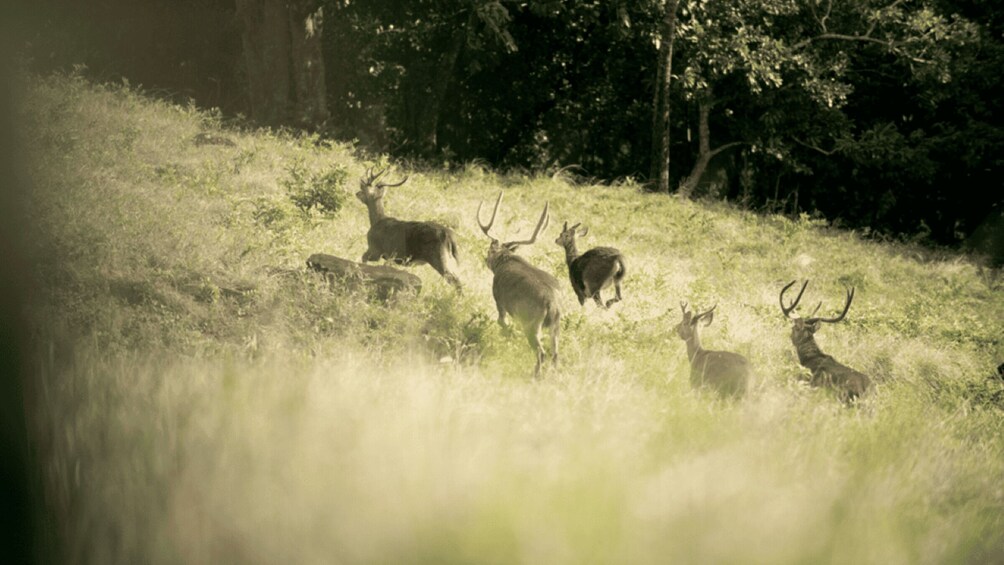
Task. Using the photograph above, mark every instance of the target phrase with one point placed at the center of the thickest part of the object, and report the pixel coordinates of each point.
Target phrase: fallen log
(385, 281)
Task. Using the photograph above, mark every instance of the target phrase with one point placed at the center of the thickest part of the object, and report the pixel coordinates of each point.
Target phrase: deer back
(522, 290)
(849, 383)
(419, 241)
(598, 266)
(725, 372)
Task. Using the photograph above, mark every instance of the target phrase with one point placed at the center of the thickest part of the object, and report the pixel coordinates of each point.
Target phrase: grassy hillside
(202, 398)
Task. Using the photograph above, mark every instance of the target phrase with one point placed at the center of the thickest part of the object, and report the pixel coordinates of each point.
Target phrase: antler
(705, 313)
(370, 177)
(847, 306)
(683, 307)
(545, 218)
(402, 181)
(810, 319)
(787, 311)
(491, 222)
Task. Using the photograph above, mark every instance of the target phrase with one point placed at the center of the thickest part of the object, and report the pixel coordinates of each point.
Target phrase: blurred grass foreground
(200, 397)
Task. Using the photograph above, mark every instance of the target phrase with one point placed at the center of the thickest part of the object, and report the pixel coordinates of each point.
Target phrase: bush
(323, 192)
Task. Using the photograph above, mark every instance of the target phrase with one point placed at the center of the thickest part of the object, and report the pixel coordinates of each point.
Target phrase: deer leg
(506, 329)
(452, 279)
(440, 265)
(533, 336)
(590, 293)
(555, 330)
(579, 293)
(617, 298)
(598, 300)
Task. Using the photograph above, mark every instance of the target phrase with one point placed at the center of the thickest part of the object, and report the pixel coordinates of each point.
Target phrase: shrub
(323, 191)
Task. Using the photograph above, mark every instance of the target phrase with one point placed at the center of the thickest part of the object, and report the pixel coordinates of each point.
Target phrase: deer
(849, 384)
(405, 242)
(592, 271)
(521, 291)
(724, 372)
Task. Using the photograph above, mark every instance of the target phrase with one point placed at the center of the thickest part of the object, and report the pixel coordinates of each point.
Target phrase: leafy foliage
(882, 115)
(323, 192)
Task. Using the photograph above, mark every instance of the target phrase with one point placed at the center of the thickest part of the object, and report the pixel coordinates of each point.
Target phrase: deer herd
(530, 296)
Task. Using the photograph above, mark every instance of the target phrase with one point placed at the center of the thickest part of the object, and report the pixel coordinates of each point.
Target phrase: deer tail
(621, 268)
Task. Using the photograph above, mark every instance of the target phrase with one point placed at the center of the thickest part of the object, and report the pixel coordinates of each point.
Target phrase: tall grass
(201, 398)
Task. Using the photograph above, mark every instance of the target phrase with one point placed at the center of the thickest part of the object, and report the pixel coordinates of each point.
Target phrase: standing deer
(522, 291)
(592, 271)
(403, 242)
(725, 372)
(826, 371)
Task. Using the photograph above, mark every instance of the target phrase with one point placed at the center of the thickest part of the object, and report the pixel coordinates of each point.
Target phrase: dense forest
(878, 115)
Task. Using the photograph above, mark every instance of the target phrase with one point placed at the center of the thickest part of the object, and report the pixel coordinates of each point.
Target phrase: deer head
(498, 249)
(568, 234)
(687, 328)
(803, 328)
(370, 193)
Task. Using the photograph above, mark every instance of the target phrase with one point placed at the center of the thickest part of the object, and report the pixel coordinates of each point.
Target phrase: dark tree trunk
(281, 42)
(704, 152)
(306, 23)
(427, 93)
(660, 103)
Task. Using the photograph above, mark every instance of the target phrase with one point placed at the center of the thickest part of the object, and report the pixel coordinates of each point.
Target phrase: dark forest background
(879, 115)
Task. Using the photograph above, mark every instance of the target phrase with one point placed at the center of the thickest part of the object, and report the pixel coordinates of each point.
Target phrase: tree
(411, 52)
(769, 45)
(661, 99)
(283, 61)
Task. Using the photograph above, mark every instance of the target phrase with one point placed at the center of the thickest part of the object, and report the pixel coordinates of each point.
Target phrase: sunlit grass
(204, 399)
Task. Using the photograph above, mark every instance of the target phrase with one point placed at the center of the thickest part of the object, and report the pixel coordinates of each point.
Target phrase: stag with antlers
(826, 371)
(405, 242)
(522, 291)
(724, 372)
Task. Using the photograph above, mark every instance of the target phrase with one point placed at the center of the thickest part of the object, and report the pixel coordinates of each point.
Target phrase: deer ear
(584, 231)
(708, 318)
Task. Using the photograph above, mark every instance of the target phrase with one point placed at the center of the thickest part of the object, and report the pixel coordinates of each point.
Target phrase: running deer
(405, 243)
(724, 372)
(594, 270)
(522, 291)
(826, 371)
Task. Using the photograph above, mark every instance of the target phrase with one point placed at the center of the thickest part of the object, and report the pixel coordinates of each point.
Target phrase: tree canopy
(876, 114)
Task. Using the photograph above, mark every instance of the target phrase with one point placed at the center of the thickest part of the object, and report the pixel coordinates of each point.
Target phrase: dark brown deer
(405, 242)
(522, 291)
(826, 371)
(594, 270)
(724, 372)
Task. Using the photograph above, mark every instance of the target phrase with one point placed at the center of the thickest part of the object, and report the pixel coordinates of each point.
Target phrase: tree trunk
(704, 151)
(660, 104)
(428, 92)
(703, 148)
(281, 42)
(306, 21)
